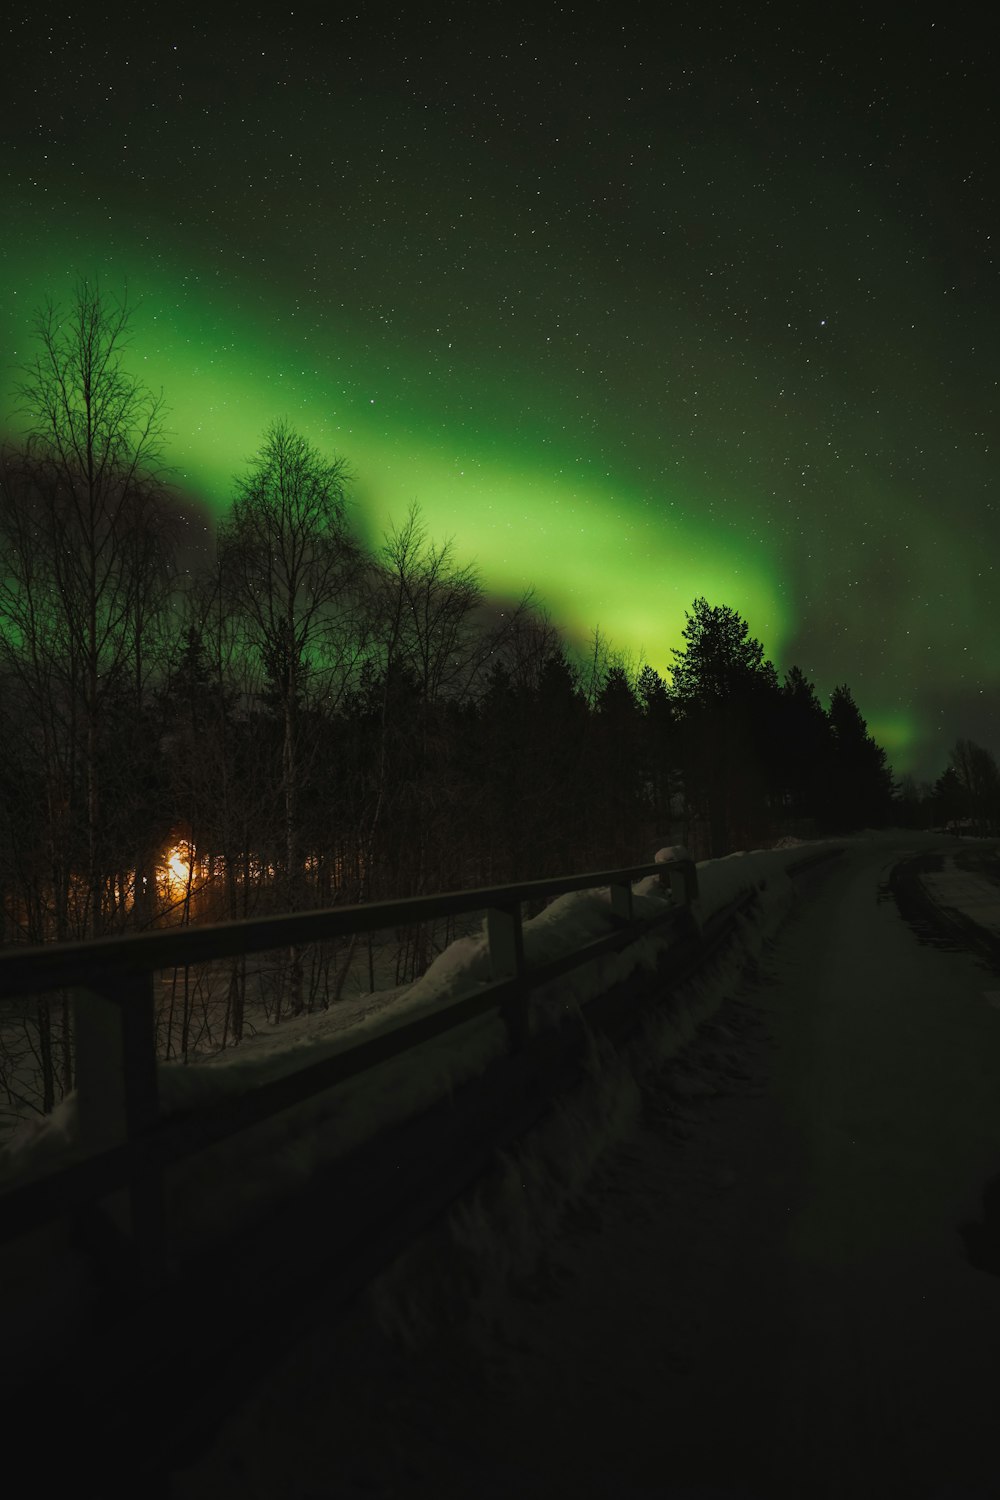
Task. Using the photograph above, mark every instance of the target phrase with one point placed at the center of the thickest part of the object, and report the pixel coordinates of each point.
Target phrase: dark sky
(642, 305)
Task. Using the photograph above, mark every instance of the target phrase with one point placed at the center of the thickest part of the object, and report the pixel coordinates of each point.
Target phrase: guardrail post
(506, 940)
(621, 900)
(681, 877)
(117, 1099)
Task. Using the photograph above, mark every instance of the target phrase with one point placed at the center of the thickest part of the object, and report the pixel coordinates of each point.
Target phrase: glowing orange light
(177, 865)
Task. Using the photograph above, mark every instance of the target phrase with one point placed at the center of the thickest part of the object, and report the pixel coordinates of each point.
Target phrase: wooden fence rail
(125, 1144)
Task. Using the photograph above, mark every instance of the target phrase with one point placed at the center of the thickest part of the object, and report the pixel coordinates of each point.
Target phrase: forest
(295, 720)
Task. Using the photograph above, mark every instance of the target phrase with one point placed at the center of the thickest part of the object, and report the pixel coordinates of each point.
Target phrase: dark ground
(780, 1285)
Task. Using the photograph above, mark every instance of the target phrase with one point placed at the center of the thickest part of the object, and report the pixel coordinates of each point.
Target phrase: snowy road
(765, 1293)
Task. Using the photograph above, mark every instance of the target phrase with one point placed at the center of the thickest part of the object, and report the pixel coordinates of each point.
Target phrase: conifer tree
(861, 782)
(724, 690)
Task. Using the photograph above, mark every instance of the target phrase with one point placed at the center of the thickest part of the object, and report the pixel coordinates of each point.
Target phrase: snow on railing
(124, 1142)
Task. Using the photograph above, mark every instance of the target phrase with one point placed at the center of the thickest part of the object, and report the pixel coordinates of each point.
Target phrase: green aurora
(629, 331)
(584, 537)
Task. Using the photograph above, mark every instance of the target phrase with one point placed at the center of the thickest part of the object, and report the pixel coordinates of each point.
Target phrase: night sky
(667, 302)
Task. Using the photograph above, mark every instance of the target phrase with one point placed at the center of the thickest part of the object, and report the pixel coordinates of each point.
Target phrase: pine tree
(659, 750)
(724, 690)
(617, 769)
(803, 744)
(861, 782)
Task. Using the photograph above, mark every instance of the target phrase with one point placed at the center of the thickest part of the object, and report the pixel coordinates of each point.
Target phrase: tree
(620, 798)
(721, 660)
(803, 746)
(659, 749)
(523, 641)
(952, 802)
(724, 691)
(976, 773)
(429, 604)
(557, 795)
(427, 649)
(906, 810)
(861, 782)
(288, 564)
(86, 535)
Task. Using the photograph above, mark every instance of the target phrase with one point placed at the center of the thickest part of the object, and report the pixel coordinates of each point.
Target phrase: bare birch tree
(85, 529)
(288, 564)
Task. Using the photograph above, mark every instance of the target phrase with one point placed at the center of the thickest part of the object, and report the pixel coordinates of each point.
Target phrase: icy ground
(736, 1269)
(972, 895)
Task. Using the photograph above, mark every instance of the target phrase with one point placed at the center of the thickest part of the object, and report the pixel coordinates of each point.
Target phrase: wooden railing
(124, 1143)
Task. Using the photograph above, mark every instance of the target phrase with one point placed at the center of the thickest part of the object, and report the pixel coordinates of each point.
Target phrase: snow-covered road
(764, 1292)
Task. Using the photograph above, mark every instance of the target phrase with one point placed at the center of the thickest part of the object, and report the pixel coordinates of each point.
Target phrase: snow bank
(498, 1232)
(267, 1160)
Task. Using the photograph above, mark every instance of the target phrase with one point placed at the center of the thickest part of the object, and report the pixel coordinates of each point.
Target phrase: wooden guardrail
(125, 1143)
(126, 1358)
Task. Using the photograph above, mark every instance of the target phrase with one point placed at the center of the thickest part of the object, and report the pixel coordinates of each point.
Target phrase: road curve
(768, 1290)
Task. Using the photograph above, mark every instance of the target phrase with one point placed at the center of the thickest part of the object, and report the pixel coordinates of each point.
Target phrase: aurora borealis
(661, 303)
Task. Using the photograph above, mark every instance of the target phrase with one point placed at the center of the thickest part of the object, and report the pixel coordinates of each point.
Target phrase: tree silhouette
(86, 534)
(720, 660)
(427, 640)
(803, 747)
(861, 782)
(977, 775)
(951, 798)
(658, 765)
(287, 561)
(619, 798)
(724, 690)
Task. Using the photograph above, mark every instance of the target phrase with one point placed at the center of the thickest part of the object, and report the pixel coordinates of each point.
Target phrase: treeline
(964, 799)
(300, 722)
(297, 722)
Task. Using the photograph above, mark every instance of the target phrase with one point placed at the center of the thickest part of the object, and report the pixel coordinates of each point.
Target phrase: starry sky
(638, 302)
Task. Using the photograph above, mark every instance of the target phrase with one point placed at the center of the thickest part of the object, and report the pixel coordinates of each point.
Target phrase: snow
(971, 895)
(497, 1234)
(501, 1231)
(234, 1181)
(285, 1150)
(261, 1164)
(789, 1291)
(567, 923)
